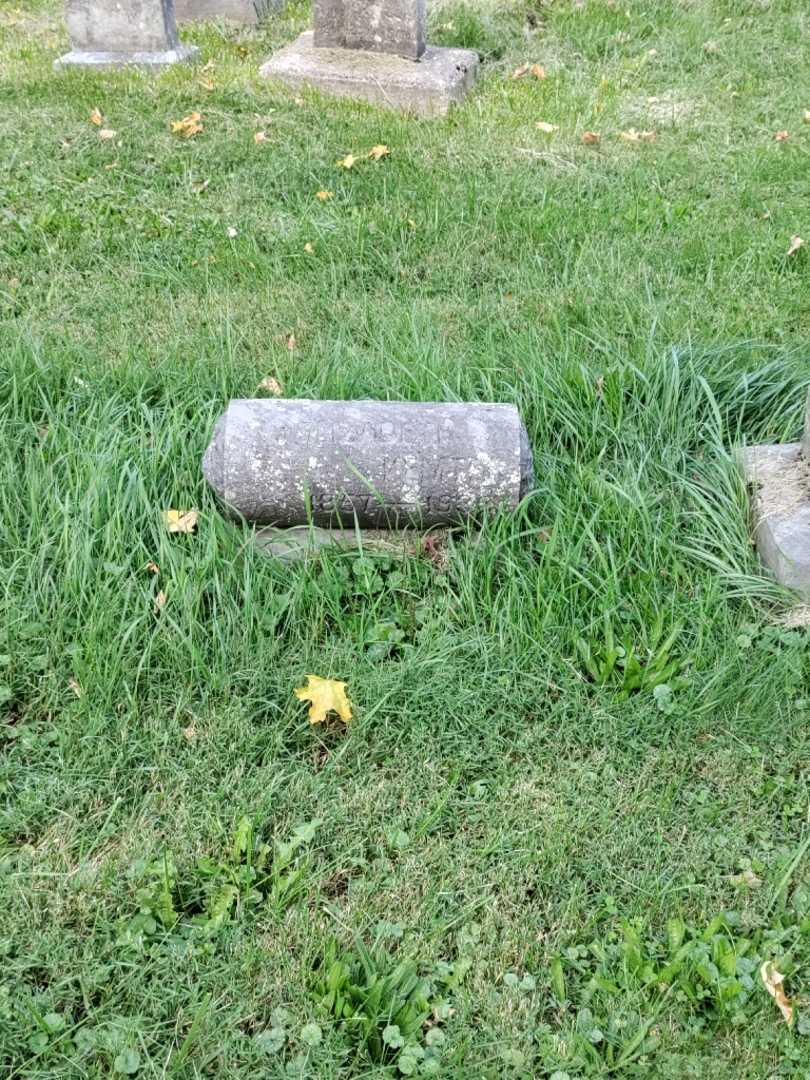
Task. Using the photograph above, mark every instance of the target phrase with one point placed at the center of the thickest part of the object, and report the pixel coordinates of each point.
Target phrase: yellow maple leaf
(189, 126)
(773, 980)
(325, 696)
(180, 521)
(96, 117)
(347, 162)
(379, 151)
(324, 195)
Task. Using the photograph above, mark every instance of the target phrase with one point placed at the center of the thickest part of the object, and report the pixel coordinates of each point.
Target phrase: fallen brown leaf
(273, 386)
(259, 137)
(324, 195)
(152, 567)
(379, 151)
(519, 72)
(180, 521)
(795, 243)
(537, 71)
(309, 248)
(188, 127)
(591, 138)
(773, 981)
(291, 342)
(96, 117)
(782, 136)
(346, 162)
(74, 686)
(160, 602)
(190, 733)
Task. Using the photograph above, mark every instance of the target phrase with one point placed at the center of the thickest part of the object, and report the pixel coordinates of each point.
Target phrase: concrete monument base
(108, 61)
(780, 481)
(428, 86)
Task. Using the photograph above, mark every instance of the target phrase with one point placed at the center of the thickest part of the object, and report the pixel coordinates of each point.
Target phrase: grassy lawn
(524, 858)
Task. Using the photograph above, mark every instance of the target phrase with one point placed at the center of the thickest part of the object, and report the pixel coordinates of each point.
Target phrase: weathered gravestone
(118, 33)
(375, 50)
(367, 464)
(780, 481)
(250, 12)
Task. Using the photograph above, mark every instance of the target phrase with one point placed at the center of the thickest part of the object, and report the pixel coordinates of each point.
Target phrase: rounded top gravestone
(378, 464)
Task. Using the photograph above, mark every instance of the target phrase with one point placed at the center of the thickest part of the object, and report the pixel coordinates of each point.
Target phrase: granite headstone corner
(779, 479)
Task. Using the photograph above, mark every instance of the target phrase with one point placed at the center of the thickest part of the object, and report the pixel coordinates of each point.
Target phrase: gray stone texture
(806, 438)
(115, 33)
(780, 486)
(387, 26)
(375, 464)
(430, 87)
(250, 12)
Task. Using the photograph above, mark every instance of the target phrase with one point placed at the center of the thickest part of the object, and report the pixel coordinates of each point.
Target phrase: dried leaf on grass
(96, 117)
(591, 138)
(107, 133)
(379, 151)
(160, 602)
(259, 137)
(324, 195)
(782, 136)
(347, 162)
(773, 982)
(632, 135)
(272, 386)
(325, 696)
(180, 521)
(795, 243)
(74, 686)
(546, 127)
(188, 127)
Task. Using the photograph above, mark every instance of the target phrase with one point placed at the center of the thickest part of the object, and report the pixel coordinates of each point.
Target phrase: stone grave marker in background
(118, 33)
(370, 465)
(375, 50)
(779, 476)
(250, 12)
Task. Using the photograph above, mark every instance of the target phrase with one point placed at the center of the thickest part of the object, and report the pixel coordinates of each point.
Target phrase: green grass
(518, 828)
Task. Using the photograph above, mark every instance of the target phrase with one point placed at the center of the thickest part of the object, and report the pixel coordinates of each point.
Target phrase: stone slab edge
(780, 481)
(428, 87)
(110, 61)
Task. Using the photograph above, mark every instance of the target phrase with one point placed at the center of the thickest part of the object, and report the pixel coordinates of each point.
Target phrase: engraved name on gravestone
(387, 464)
(115, 33)
(389, 26)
